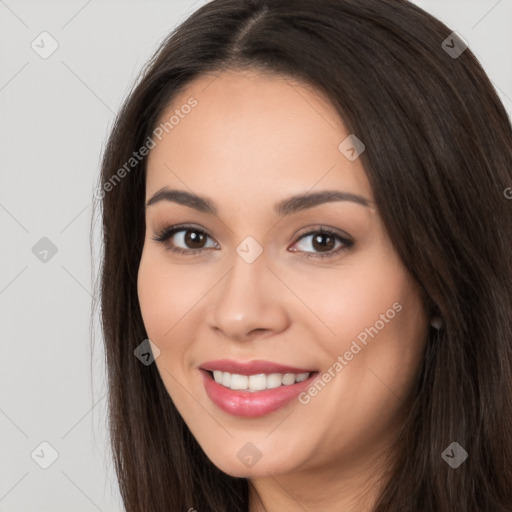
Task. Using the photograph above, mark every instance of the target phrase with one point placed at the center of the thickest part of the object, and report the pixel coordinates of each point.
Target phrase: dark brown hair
(439, 160)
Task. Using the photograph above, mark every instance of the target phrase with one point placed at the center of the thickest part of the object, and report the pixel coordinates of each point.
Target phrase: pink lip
(251, 404)
(250, 367)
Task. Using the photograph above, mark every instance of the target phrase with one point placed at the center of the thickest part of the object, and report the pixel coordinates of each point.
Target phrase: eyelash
(168, 232)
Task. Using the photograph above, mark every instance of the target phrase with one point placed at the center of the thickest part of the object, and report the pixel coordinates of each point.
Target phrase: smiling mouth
(244, 395)
(257, 382)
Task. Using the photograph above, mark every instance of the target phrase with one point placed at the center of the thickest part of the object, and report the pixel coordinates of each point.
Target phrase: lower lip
(251, 404)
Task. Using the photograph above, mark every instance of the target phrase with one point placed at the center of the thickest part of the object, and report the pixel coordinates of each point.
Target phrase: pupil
(323, 245)
(192, 239)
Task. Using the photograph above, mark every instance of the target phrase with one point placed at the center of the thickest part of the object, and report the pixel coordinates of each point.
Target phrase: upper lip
(250, 367)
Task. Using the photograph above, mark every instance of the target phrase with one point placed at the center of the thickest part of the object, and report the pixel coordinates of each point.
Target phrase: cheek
(162, 308)
(355, 298)
(380, 355)
(152, 300)
(376, 316)
(165, 295)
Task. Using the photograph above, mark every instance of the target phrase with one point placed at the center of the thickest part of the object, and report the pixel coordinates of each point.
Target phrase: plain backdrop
(55, 114)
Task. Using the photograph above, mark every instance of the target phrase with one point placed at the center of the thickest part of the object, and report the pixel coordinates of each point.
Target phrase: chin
(235, 466)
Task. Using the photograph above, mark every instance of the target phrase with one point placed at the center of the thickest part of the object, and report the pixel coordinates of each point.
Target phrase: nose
(249, 302)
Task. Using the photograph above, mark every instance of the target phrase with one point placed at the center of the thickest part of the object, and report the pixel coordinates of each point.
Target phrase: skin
(252, 140)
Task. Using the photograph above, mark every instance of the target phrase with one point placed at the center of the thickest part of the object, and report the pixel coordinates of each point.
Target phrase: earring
(436, 322)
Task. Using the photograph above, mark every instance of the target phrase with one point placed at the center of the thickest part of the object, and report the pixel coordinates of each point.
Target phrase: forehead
(251, 133)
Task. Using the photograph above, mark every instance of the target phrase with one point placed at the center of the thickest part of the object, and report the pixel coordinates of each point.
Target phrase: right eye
(187, 235)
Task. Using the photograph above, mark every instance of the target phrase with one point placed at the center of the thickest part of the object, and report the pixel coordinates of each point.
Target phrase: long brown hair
(439, 159)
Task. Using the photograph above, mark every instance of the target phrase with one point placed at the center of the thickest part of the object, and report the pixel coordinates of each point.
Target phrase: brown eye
(323, 243)
(194, 239)
(191, 239)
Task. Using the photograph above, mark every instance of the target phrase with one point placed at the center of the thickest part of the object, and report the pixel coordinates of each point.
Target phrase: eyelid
(319, 228)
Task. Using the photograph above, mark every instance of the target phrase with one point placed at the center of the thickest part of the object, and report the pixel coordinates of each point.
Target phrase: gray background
(55, 114)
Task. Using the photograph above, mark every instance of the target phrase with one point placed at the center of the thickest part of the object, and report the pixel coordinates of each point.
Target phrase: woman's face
(338, 309)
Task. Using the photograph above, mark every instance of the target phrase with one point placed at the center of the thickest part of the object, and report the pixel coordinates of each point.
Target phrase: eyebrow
(288, 206)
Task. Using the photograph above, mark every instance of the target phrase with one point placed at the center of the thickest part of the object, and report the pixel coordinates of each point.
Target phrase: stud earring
(436, 322)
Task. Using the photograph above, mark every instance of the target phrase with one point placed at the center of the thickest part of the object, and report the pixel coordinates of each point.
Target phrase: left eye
(193, 240)
(325, 240)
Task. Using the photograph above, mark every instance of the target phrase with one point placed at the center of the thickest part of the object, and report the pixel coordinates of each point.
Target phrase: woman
(305, 210)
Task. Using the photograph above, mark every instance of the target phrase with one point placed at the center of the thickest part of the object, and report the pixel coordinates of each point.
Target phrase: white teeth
(226, 379)
(288, 379)
(239, 381)
(274, 380)
(257, 382)
(301, 377)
